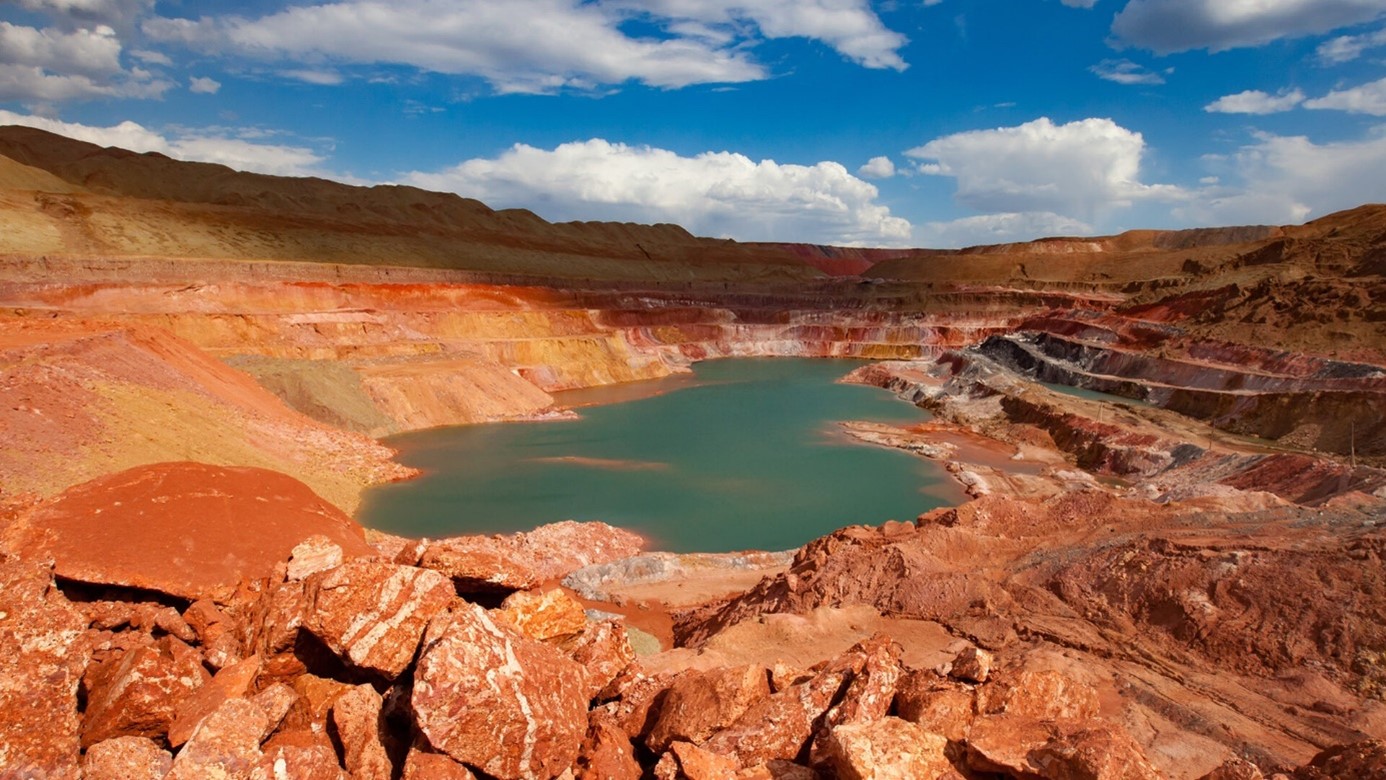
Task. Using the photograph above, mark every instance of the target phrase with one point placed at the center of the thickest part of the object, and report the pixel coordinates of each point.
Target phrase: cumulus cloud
(1288, 179)
(203, 86)
(999, 229)
(877, 168)
(713, 193)
(75, 14)
(1365, 99)
(1254, 101)
(538, 46)
(51, 65)
(1180, 25)
(1082, 169)
(1126, 72)
(224, 147)
(1347, 48)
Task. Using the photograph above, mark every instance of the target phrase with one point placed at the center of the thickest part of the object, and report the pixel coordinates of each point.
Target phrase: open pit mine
(1168, 562)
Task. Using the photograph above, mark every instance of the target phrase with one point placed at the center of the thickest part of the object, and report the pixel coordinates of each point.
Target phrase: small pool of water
(743, 454)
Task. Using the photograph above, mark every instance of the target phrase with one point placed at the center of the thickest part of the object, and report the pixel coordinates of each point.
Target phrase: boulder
(43, 653)
(373, 614)
(606, 752)
(939, 706)
(972, 664)
(1235, 769)
(1099, 752)
(126, 758)
(421, 764)
(233, 682)
(1364, 760)
(603, 650)
(312, 555)
(316, 761)
(1039, 694)
(226, 744)
(356, 717)
(190, 530)
(551, 614)
(699, 704)
(141, 694)
(686, 761)
(497, 700)
(885, 749)
(478, 564)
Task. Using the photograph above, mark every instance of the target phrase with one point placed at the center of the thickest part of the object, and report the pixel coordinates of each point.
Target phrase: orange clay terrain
(195, 365)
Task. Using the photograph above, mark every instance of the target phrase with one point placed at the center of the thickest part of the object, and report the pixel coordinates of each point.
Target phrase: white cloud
(998, 229)
(203, 86)
(849, 26)
(327, 78)
(1080, 3)
(1180, 25)
(1126, 72)
(1081, 170)
(713, 193)
(1347, 48)
(1254, 101)
(1288, 179)
(216, 147)
(877, 168)
(539, 46)
(1366, 99)
(49, 65)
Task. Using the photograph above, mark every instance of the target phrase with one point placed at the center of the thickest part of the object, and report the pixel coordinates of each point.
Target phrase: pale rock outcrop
(373, 614)
(43, 652)
(497, 700)
(885, 749)
(126, 758)
(139, 696)
(972, 664)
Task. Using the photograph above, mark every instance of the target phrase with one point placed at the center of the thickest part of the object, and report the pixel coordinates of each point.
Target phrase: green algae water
(743, 454)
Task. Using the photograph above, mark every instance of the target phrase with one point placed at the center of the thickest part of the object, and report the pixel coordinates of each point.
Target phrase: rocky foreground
(1179, 579)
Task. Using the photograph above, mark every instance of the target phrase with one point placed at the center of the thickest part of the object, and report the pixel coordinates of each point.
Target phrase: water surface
(744, 454)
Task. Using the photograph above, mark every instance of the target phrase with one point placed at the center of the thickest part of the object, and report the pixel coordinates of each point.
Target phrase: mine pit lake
(741, 454)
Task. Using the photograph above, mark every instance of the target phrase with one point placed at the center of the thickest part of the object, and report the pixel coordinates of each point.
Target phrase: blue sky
(910, 122)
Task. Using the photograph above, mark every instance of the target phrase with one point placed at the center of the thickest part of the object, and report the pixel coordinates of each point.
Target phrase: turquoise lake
(742, 454)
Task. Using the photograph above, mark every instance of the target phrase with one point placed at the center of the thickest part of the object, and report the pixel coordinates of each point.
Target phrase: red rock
(939, 706)
(478, 565)
(275, 701)
(1002, 744)
(315, 697)
(233, 682)
(560, 548)
(126, 758)
(276, 617)
(779, 770)
(206, 620)
(885, 749)
(139, 697)
(606, 752)
(1364, 760)
(552, 614)
(972, 664)
(494, 699)
(603, 650)
(424, 765)
(374, 614)
(794, 713)
(637, 695)
(225, 745)
(298, 762)
(699, 704)
(312, 555)
(356, 716)
(872, 690)
(686, 761)
(1098, 753)
(187, 529)
(43, 652)
(1042, 695)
